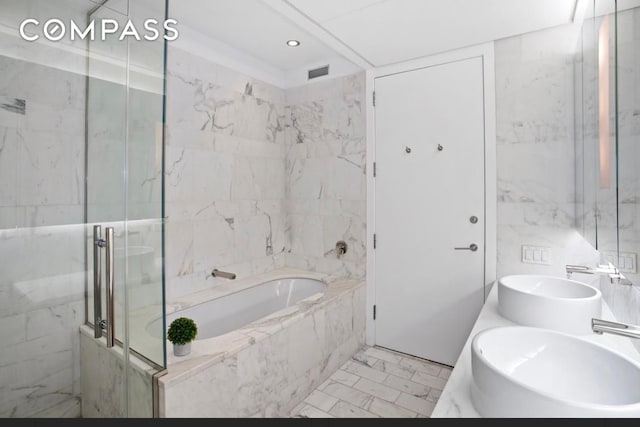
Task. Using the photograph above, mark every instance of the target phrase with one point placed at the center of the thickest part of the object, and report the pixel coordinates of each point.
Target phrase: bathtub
(233, 311)
(263, 344)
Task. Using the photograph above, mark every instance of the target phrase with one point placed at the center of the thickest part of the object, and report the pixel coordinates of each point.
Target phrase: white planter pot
(182, 350)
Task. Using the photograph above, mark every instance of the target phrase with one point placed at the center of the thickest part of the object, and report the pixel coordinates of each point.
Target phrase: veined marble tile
(535, 132)
(409, 386)
(416, 404)
(348, 394)
(377, 389)
(365, 372)
(394, 369)
(321, 400)
(347, 410)
(308, 411)
(385, 409)
(343, 377)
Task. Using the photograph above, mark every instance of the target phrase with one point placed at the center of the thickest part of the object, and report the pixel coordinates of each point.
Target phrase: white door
(429, 200)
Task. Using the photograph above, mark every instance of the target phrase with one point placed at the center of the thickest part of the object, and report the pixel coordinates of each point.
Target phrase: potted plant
(181, 332)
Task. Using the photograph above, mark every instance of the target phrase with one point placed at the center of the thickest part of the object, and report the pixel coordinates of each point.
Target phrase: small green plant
(182, 330)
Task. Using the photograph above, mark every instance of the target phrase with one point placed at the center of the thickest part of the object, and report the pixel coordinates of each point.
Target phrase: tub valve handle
(341, 248)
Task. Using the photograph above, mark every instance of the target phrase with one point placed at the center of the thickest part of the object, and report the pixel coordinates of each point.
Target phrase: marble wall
(41, 238)
(535, 152)
(625, 300)
(325, 175)
(258, 177)
(225, 174)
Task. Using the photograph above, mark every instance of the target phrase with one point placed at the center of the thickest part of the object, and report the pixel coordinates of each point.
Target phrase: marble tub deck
(213, 350)
(267, 367)
(377, 382)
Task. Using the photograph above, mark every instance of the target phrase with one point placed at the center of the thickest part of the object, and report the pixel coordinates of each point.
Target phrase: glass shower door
(124, 216)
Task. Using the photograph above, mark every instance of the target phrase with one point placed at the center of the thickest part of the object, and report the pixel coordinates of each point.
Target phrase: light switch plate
(536, 255)
(627, 262)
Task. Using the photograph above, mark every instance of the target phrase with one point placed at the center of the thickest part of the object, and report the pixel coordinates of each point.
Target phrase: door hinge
(374, 312)
(375, 241)
(375, 169)
(374, 98)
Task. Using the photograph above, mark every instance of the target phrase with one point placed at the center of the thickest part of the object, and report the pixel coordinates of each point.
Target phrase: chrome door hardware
(408, 150)
(98, 243)
(98, 323)
(440, 147)
(110, 287)
(472, 247)
(473, 220)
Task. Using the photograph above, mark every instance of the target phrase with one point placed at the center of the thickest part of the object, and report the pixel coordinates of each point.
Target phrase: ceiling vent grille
(318, 72)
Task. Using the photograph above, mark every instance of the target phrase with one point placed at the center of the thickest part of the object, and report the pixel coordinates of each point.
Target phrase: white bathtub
(233, 311)
(264, 343)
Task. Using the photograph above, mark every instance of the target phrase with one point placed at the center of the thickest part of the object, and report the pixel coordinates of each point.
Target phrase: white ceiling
(252, 27)
(389, 31)
(368, 33)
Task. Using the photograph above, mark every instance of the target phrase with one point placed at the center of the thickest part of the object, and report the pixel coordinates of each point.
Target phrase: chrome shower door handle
(97, 281)
(110, 287)
(472, 247)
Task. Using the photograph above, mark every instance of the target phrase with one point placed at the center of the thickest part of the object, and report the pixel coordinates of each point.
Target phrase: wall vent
(318, 72)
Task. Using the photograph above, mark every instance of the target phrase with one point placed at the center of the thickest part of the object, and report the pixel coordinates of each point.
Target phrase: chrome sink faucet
(610, 270)
(600, 326)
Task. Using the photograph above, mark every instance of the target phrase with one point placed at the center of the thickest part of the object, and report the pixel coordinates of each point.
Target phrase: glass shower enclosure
(81, 213)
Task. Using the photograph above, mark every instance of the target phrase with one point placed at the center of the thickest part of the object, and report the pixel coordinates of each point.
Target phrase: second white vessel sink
(549, 302)
(529, 372)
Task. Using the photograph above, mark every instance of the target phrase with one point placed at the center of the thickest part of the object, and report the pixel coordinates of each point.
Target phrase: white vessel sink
(529, 372)
(549, 302)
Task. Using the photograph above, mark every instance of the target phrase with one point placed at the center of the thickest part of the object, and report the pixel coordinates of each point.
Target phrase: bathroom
(233, 163)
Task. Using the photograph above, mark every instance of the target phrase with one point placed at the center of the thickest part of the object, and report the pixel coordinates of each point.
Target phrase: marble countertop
(455, 401)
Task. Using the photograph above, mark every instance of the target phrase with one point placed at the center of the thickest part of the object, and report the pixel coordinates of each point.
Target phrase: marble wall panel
(225, 172)
(41, 238)
(625, 300)
(244, 157)
(325, 175)
(535, 152)
(104, 393)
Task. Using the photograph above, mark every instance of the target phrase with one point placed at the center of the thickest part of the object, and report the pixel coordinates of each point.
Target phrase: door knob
(472, 247)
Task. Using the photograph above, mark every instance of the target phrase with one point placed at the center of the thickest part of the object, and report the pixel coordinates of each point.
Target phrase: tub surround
(260, 178)
(455, 401)
(224, 171)
(326, 175)
(269, 366)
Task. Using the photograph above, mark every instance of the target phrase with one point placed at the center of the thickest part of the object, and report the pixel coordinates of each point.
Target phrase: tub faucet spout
(223, 274)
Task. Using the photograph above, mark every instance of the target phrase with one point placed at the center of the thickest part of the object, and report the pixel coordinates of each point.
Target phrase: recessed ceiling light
(293, 43)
